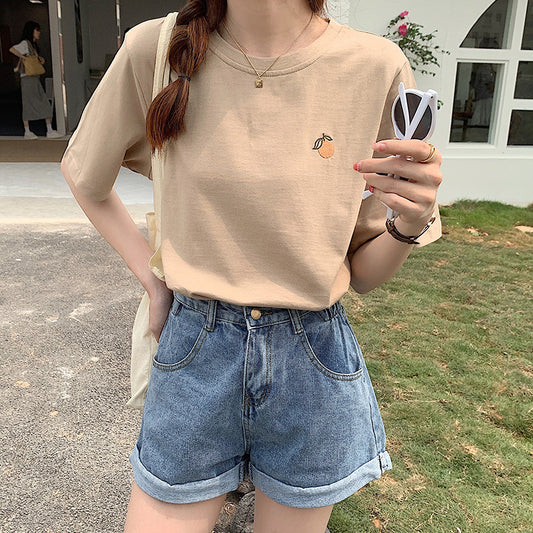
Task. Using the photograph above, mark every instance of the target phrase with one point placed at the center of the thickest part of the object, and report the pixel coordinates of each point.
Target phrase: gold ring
(431, 154)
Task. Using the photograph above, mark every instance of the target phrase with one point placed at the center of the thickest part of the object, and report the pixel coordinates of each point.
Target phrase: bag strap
(161, 80)
(162, 66)
(30, 45)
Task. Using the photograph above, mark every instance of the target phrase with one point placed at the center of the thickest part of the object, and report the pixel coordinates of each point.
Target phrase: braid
(187, 50)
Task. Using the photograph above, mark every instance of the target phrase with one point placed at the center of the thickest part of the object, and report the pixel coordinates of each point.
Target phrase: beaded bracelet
(391, 228)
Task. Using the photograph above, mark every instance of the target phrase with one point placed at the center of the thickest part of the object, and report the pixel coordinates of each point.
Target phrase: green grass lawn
(449, 347)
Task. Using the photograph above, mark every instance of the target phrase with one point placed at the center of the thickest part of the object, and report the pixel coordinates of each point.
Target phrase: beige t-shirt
(256, 210)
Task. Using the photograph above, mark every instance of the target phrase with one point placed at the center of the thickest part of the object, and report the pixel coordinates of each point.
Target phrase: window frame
(505, 103)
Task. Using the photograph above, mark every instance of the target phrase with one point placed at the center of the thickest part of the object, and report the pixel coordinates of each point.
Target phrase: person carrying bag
(32, 63)
(35, 102)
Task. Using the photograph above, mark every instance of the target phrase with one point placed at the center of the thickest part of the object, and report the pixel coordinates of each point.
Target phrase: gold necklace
(259, 81)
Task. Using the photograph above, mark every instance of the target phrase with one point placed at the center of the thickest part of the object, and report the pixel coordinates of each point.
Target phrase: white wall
(339, 10)
(476, 171)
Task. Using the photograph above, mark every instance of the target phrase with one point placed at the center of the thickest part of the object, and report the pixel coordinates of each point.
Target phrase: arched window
(493, 100)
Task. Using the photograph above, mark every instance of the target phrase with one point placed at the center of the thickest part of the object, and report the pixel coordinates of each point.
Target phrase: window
(493, 101)
(474, 102)
(527, 40)
(521, 129)
(489, 30)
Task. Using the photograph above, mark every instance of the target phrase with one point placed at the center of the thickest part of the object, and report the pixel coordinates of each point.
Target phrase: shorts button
(256, 314)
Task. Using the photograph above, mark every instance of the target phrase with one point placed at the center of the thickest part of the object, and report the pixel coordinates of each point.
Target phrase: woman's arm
(15, 52)
(113, 221)
(378, 260)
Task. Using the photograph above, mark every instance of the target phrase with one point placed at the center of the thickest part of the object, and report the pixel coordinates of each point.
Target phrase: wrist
(156, 288)
(407, 233)
(411, 228)
(414, 227)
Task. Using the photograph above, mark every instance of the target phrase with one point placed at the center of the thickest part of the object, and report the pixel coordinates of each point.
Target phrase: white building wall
(339, 10)
(475, 171)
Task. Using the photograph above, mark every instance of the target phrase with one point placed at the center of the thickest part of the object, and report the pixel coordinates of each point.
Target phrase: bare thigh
(148, 515)
(272, 517)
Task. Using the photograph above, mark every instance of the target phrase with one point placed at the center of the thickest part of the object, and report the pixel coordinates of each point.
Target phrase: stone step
(237, 514)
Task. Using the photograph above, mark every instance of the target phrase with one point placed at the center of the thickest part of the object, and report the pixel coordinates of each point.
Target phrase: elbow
(360, 284)
(360, 287)
(66, 174)
(82, 192)
(70, 182)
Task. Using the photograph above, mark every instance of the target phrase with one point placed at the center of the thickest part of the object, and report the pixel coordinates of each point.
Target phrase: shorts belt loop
(211, 315)
(296, 321)
(333, 310)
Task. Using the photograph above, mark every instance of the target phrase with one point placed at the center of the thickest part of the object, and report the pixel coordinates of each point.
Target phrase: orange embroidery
(325, 146)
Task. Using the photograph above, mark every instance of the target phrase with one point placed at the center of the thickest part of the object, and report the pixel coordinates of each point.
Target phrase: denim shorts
(279, 395)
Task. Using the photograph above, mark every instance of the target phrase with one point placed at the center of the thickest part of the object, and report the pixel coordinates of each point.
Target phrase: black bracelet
(412, 239)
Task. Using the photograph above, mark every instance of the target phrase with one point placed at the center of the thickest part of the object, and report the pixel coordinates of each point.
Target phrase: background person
(35, 103)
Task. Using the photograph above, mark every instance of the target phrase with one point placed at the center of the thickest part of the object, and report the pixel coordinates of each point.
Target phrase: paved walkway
(67, 305)
(38, 193)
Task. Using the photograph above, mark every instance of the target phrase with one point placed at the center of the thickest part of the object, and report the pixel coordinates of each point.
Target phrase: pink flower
(402, 30)
(403, 14)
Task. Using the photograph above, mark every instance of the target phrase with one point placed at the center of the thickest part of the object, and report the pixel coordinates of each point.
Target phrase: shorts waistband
(252, 316)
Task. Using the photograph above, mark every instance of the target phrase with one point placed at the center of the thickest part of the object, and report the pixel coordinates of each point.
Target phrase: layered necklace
(259, 79)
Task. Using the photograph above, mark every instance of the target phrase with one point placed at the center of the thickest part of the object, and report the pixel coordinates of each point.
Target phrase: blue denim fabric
(284, 398)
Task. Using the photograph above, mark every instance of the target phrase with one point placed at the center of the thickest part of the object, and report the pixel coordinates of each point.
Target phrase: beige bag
(32, 65)
(143, 343)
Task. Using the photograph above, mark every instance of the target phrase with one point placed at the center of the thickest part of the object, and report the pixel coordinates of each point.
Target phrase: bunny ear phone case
(414, 115)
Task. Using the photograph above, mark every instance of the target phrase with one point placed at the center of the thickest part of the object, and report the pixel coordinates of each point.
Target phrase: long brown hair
(187, 50)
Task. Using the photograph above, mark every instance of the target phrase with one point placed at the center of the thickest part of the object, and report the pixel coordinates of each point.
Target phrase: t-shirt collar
(290, 62)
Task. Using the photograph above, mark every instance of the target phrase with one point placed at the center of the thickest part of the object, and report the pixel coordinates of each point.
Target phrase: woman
(35, 103)
(258, 371)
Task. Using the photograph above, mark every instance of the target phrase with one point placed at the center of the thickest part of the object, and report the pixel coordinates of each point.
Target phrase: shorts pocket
(331, 346)
(182, 337)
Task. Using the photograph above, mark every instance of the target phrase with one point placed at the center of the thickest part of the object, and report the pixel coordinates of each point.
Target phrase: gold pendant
(259, 83)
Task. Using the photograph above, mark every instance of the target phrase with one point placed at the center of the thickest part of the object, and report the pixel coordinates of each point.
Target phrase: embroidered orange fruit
(325, 146)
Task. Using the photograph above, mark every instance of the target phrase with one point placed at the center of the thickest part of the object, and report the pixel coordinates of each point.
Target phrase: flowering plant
(417, 46)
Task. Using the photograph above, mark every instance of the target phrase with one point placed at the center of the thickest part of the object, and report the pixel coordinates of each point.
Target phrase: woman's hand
(160, 304)
(414, 200)
(41, 59)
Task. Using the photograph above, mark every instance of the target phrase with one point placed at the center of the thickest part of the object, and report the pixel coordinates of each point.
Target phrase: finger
(414, 148)
(427, 174)
(395, 166)
(405, 207)
(392, 175)
(414, 192)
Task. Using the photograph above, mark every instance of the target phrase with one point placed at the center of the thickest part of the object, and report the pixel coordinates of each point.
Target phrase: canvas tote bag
(143, 343)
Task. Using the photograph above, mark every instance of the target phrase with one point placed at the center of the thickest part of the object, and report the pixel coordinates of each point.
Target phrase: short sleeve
(111, 131)
(22, 47)
(373, 214)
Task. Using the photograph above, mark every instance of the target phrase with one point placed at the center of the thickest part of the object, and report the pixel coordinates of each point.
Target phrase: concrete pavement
(67, 304)
(36, 193)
